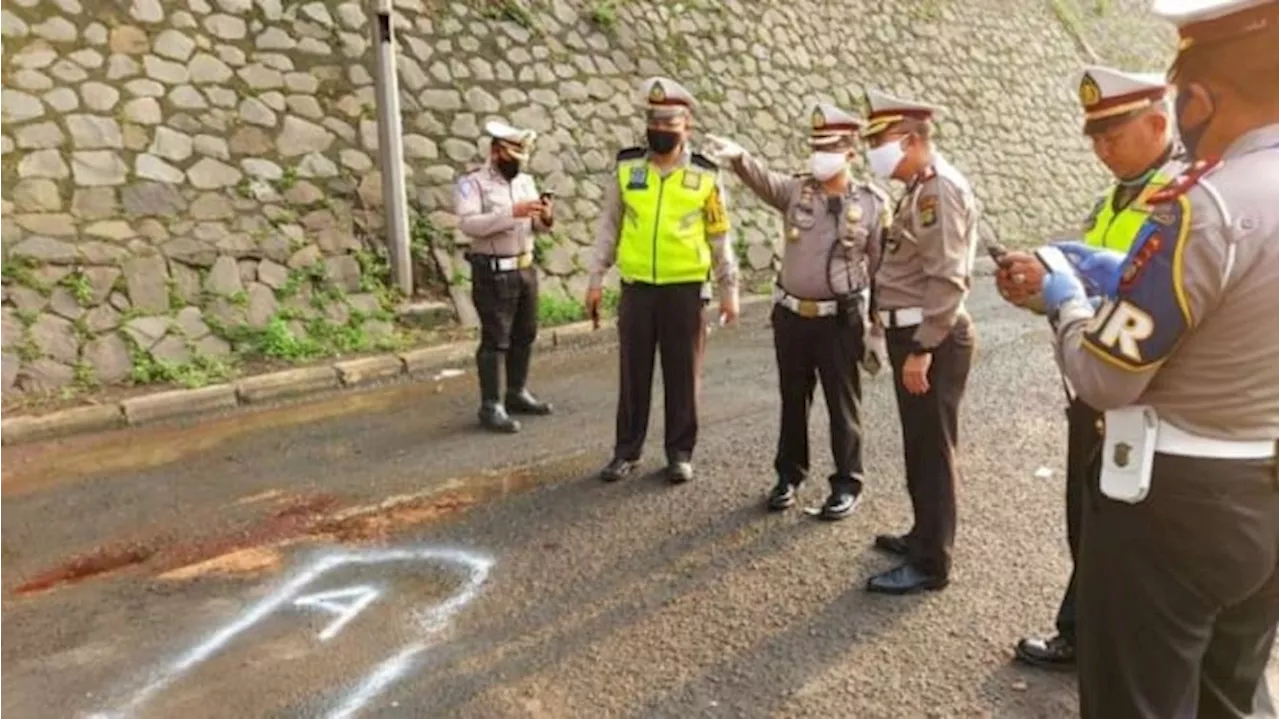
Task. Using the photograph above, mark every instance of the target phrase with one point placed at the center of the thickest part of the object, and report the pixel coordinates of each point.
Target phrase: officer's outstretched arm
(1172, 276)
(774, 188)
(724, 262)
(943, 244)
(473, 221)
(607, 226)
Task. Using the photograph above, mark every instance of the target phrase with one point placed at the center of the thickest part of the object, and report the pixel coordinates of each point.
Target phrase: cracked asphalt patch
(629, 600)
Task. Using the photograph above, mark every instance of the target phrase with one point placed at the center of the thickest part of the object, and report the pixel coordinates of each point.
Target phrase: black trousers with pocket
(507, 303)
(667, 319)
(1178, 593)
(930, 440)
(811, 350)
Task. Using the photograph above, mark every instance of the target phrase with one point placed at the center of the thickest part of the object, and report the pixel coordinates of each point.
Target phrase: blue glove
(1060, 288)
(1099, 268)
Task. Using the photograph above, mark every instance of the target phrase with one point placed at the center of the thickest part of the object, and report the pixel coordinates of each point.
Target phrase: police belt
(503, 264)
(901, 318)
(816, 308)
(1179, 442)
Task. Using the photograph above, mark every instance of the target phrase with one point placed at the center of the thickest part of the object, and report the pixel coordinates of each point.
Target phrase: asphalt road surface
(373, 554)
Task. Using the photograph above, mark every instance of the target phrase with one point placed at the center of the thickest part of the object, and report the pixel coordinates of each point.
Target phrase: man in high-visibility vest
(665, 226)
(1127, 120)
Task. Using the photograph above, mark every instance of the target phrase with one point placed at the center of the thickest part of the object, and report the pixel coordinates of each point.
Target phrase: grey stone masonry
(213, 163)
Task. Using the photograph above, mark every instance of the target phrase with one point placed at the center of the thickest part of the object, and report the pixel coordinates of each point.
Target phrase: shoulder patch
(702, 161)
(631, 153)
(1142, 325)
(1184, 182)
(927, 210)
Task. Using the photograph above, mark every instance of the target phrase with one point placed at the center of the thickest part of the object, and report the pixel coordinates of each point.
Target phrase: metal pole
(390, 148)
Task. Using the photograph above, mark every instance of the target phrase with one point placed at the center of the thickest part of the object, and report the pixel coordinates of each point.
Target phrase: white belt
(1171, 440)
(905, 317)
(805, 308)
(507, 264)
(812, 308)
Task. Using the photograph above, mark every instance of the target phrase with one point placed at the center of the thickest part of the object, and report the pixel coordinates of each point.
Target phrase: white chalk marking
(363, 597)
(434, 620)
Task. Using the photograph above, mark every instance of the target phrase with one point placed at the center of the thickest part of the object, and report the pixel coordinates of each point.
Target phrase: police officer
(1128, 122)
(833, 230)
(1178, 557)
(920, 286)
(664, 224)
(499, 211)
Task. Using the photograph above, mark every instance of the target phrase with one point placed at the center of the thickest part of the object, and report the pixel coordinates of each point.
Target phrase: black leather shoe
(616, 469)
(494, 418)
(1054, 653)
(783, 495)
(523, 402)
(679, 472)
(905, 579)
(895, 544)
(842, 500)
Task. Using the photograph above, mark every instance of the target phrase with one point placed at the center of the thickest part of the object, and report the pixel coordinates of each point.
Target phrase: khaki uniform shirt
(724, 263)
(928, 254)
(827, 254)
(483, 201)
(1193, 329)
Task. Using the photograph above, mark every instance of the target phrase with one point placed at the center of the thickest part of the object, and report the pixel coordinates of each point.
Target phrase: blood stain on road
(295, 519)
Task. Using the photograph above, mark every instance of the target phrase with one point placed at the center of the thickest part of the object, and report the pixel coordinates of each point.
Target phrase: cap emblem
(656, 93)
(819, 120)
(1090, 93)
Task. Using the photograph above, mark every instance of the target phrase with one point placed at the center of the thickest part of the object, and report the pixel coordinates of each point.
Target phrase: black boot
(493, 415)
(519, 399)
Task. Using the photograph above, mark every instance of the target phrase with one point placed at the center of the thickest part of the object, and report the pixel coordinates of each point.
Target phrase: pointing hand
(723, 149)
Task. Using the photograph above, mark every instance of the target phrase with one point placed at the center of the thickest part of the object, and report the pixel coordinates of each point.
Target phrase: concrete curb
(290, 383)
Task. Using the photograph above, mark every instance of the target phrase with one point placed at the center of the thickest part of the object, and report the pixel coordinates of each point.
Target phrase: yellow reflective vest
(1112, 230)
(666, 221)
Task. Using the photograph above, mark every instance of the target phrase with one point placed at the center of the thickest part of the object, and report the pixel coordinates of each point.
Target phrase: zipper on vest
(662, 182)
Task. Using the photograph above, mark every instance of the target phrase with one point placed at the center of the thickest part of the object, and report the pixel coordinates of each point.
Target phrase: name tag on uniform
(639, 178)
(1128, 453)
(692, 180)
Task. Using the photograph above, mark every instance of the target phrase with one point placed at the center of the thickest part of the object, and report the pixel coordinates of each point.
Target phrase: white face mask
(826, 165)
(885, 159)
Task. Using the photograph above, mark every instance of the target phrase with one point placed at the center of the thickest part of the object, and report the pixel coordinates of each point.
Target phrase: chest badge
(692, 180)
(1121, 454)
(854, 213)
(639, 178)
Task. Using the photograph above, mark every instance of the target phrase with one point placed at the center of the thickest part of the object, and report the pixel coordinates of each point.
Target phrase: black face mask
(1191, 136)
(662, 141)
(508, 168)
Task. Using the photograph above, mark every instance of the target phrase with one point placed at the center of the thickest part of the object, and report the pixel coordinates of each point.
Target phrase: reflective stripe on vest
(663, 238)
(1113, 230)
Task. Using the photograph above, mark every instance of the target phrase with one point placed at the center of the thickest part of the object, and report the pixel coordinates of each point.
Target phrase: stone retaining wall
(184, 178)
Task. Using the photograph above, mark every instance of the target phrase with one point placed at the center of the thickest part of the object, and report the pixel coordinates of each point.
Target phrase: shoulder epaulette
(876, 190)
(702, 161)
(802, 174)
(1184, 182)
(631, 153)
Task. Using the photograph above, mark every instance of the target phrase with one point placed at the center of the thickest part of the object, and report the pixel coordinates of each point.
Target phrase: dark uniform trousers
(1177, 596)
(1084, 462)
(930, 436)
(507, 303)
(668, 319)
(810, 349)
